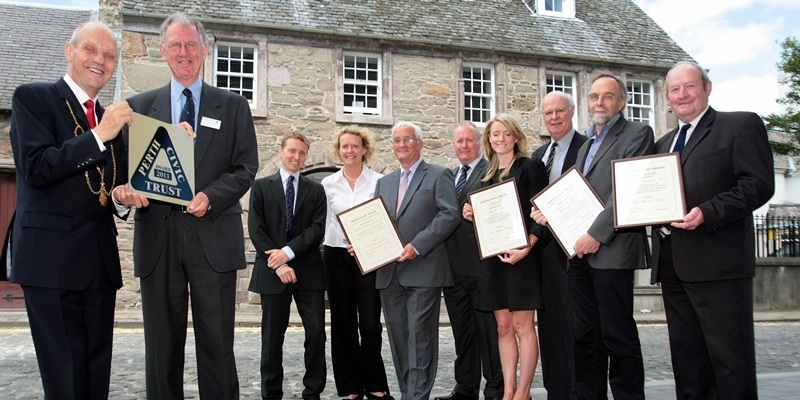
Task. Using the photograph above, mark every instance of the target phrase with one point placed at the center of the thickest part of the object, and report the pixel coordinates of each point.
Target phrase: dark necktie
(90, 113)
(549, 164)
(462, 180)
(289, 206)
(681, 142)
(187, 115)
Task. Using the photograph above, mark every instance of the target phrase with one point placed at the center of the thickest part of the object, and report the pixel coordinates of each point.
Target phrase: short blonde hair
(367, 140)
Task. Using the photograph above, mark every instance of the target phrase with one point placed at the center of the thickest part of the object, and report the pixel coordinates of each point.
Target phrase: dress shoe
(385, 396)
(454, 395)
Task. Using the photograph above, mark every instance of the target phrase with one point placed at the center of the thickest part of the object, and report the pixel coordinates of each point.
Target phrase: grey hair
(406, 124)
(623, 91)
(471, 125)
(184, 20)
(563, 95)
(77, 32)
(701, 70)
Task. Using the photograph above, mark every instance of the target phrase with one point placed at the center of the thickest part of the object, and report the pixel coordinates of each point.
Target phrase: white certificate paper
(371, 231)
(648, 190)
(497, 219)
(570, 206)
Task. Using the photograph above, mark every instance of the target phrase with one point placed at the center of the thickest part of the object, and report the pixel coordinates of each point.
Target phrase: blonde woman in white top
(355, 305)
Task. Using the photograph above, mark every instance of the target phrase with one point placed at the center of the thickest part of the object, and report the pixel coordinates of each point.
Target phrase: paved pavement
(777, 348)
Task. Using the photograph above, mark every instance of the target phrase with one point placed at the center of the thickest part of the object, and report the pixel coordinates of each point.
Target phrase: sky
(736, 40)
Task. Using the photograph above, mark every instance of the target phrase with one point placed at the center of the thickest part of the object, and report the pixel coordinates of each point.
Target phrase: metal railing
(777, 236)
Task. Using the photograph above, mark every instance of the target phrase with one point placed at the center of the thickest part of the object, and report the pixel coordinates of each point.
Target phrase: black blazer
(728, 173)
(61, 232)
(267, 223)
(462, 248)
(542, 232)
(225, 161)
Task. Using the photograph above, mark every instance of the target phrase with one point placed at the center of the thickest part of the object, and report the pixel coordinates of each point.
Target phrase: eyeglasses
(557, 111)
(175, 47)
(408, 140)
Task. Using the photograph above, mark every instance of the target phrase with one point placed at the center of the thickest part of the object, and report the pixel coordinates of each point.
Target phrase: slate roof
(616, 31)
(32, 40)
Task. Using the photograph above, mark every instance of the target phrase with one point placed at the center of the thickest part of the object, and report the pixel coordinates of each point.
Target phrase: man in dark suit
(706, 263)
(422, 200)
(64, 245)
(286, 231)
(601, 279)
(474, 331)
(194, 250)
(555, 321)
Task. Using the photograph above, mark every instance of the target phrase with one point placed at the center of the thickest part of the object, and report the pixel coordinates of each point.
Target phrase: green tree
(789, 121)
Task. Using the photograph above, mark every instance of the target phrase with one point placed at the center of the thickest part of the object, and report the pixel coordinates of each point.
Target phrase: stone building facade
(435, 63)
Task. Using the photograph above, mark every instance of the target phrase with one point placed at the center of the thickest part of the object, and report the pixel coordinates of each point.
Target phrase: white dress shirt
(341, 197)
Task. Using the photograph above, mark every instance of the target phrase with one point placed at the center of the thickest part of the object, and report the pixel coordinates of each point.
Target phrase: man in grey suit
(422, 199)
(601, 280)
(555, 321)
(474, 331)
(194, 250)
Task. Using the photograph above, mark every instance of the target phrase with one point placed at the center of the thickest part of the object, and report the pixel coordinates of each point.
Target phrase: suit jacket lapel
(77, 108)
(392, 185)
(276, 187)
(701, 131)
(302, 191)
(611, 137)
(572, 153)
(210, 107)
(422, 169)
(477, 174)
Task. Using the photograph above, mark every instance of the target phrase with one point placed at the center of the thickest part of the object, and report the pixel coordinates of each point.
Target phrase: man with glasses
(422, 199)
(194, 250)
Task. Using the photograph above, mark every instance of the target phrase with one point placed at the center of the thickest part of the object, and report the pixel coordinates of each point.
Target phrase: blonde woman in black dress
(513, 287)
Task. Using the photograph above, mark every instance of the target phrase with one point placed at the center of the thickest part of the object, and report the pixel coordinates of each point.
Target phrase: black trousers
(711, 334)
(475, 336)
(356, 329)
(606, 338)
(556, 341)
(72, 332)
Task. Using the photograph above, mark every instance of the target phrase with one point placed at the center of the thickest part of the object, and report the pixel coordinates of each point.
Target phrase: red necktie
(90, 113)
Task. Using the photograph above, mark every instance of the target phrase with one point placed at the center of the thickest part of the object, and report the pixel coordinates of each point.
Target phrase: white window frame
(489, 97)
(635, 101)
(364, 83)
(383, 113)
(254, 103)
(550, 85)
(567, 8)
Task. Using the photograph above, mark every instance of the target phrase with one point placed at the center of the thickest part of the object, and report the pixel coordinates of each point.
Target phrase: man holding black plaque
(474, 331)
(555, 321)
(421, 198)
(706, 263)
(193, 250)
(601, 278)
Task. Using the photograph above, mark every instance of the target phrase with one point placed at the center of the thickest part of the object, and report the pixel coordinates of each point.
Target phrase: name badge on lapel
(210, 123)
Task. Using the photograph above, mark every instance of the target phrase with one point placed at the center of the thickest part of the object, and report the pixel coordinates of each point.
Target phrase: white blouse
(341, 197)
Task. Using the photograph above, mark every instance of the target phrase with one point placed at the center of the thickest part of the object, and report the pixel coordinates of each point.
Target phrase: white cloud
(747, 93)
(724, 45)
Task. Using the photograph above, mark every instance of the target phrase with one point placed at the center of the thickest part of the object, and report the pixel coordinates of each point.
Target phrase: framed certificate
(648, 190)
(160, 160)
(371, 231)
(497, 219)
(570, 206)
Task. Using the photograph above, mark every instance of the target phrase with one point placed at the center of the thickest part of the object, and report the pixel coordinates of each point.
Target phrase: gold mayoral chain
(102, 192)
